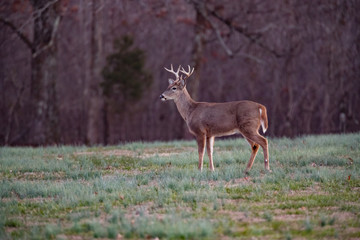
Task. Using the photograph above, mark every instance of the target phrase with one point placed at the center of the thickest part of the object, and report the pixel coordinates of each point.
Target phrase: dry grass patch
(143, 153)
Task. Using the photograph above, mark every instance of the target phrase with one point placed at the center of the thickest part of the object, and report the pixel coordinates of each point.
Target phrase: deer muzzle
(162, 98)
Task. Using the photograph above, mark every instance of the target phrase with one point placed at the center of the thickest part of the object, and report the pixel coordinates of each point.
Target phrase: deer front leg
(209, 150)
(201, 148)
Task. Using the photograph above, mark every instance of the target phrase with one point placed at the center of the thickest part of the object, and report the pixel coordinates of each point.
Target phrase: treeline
(90, 72)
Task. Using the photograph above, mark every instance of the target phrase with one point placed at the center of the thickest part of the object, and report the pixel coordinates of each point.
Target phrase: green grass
(154, 190)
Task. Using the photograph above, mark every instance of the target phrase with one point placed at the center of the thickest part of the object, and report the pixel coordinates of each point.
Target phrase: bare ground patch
(232, 183)
(36, 175)
(240, 216)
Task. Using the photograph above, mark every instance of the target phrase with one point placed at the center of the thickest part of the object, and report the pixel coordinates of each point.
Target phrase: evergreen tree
(124, 74)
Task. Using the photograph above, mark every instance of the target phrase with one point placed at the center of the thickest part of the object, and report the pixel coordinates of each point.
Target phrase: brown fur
(209, 120)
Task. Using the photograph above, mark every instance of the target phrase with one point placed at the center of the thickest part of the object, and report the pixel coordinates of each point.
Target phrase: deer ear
(171, 81)
(182, 81)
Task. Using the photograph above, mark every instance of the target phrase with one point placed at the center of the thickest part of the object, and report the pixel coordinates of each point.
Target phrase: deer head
(177, 86)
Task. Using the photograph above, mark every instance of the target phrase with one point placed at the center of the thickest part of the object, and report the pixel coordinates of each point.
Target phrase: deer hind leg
(257, 138)
(209, 150)
(201, 148)
(254, 149)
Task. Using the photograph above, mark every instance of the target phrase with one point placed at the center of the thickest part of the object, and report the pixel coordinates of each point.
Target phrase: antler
(172, 71)
(187, 73)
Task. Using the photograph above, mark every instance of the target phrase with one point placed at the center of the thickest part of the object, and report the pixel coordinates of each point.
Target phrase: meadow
(154, 191)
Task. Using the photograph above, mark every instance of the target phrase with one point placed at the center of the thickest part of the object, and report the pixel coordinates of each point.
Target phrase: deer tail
(263, 118)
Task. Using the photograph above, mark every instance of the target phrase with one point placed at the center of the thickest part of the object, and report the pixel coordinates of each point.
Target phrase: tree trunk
(197, 57)
(45, 114)
(198, 49)
(95, 128)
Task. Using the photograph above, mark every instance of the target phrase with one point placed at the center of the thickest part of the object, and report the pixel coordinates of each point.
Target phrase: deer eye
(173, 88)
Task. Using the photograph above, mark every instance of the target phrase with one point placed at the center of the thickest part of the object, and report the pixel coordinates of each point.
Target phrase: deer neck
(185, 104)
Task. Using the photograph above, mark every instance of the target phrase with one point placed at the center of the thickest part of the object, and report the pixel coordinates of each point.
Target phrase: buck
(209, 120)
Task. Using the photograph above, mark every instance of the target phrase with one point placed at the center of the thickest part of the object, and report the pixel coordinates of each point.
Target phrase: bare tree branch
(249, 56)
(25, 39)
(36, 14)
(252, 37)
(51, 42)
(201, 9)
(216, 30)
(39, 11)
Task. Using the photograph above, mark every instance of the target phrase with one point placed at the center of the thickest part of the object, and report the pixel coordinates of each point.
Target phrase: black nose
(161, 96)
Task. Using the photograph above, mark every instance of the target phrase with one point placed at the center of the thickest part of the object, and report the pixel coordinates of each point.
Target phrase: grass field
(154, 190)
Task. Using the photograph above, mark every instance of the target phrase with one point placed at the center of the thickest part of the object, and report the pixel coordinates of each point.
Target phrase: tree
(124, 74)
(125, 78)
(43, 125)
(96, 109)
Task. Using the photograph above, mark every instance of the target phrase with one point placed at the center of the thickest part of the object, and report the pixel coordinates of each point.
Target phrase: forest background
(91, 72)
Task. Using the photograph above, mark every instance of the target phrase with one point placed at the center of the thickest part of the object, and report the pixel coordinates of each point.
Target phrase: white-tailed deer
(209, 120)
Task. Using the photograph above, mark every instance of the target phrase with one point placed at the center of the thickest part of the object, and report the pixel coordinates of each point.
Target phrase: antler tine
(192, 71)
(170, 70)
(187, 73)
(178, 69)
(173, 72)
